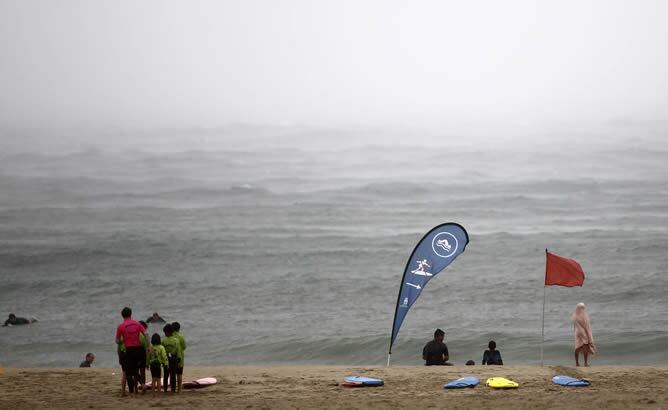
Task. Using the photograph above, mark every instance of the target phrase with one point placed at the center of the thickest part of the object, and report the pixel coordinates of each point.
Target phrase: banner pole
(542, 334)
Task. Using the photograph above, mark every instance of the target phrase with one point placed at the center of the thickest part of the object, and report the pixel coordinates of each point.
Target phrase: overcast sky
(410, 63)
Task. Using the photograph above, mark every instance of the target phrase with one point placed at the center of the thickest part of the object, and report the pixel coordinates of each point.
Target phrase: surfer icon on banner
(421, 269)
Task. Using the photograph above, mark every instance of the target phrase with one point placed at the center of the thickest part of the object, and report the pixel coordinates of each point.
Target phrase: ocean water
(296, 256)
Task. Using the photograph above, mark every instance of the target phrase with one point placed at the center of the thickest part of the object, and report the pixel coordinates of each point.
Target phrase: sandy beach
(320, 387)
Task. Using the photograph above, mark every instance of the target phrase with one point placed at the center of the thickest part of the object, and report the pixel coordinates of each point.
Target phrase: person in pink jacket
(584, 340)
(129, 333)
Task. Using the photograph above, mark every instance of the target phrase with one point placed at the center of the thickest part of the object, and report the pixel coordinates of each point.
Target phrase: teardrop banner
(435, 251)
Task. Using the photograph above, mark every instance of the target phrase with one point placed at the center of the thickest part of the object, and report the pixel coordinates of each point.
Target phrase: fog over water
(166, 64)
(260, 171)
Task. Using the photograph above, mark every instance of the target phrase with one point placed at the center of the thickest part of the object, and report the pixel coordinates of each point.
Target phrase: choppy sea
(296, 256)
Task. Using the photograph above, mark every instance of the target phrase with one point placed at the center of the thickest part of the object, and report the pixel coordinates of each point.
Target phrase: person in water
(492, 356)
(584, 340)
(176, 327)
(435, 353)
(155, 318)
(88, 360)
(12, 320)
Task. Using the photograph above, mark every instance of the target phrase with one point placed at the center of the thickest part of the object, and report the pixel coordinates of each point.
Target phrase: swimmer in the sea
(155, 319)
(12, 320)
(88, 360)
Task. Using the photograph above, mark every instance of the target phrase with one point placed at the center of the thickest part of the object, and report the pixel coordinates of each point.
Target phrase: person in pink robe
(584, 340)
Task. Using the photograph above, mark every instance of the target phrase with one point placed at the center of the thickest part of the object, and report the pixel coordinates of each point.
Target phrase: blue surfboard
(570, 381)
(365, 381)
(464, 382)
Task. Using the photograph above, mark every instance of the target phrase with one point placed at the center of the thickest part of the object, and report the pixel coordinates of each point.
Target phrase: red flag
(562, 271)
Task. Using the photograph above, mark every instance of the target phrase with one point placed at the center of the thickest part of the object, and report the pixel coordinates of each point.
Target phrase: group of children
(167, 355)
(163, 356)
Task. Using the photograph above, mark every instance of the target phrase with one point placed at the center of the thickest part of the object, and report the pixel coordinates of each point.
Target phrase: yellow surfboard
(501, 383)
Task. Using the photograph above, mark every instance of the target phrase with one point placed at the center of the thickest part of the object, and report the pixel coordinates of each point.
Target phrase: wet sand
(613, 387)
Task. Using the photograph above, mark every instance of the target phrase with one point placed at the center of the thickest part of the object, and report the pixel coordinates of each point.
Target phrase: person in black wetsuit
(155, 319)
(492, 356)
(435, 353)
(88, 361)
(12, 320)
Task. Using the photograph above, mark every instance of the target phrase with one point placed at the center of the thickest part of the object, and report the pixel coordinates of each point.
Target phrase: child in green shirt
(174, 356)
(143, 338)
(176, 326)
(120, 348)
(157, 359)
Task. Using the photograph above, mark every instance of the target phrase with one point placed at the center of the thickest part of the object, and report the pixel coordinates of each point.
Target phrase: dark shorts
(179, 370)
(133, 358)
(156, 370)
(122, 358)
(142, 359)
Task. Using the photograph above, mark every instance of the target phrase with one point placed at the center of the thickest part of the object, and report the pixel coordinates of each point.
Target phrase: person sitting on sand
(584, 340)
(492, 356)
(435, 353)
(88, 361)
(155, 319)
(12, 320)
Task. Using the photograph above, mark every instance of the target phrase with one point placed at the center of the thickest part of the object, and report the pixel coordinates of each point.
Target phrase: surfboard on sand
(461, 383)
(352, 385)
(193, 384)
(501, 383)
(363, 381)
(570, 381)
(200, 383)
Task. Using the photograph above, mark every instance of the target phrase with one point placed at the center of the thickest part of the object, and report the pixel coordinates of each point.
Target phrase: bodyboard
(570, 381)
(200, 383)
(464, 382)
(364, 381)
(501, 383)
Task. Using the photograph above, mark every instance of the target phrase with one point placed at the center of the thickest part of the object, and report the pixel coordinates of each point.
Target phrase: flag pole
(388, 359)
(542, 333)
